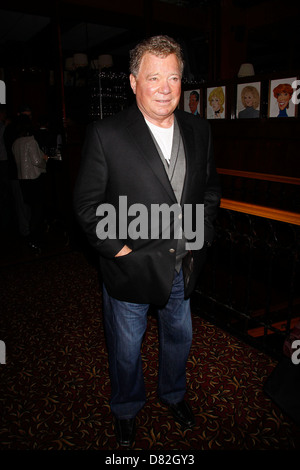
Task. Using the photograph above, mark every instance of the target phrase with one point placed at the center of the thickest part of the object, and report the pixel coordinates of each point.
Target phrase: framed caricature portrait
(192, 101)
(216, 102)
(280, 98)
(248, 100)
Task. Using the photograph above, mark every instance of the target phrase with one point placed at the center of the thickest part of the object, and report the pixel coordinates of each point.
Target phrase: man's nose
(165, 87)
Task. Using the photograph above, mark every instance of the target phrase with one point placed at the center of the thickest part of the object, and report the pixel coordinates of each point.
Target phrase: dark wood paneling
(263, 145)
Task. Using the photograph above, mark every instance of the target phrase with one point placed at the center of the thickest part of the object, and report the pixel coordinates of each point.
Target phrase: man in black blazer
(147, 196)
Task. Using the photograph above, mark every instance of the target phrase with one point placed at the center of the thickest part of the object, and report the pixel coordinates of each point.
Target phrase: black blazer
(120, 159)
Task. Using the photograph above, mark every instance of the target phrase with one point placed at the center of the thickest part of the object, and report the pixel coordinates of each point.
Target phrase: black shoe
(125, 431)
(182, 413)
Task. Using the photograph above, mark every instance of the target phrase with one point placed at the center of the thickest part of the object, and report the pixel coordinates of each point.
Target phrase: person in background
(44, 136)
(152, 154)
(4, 180)
(21, 209)
(31, 166)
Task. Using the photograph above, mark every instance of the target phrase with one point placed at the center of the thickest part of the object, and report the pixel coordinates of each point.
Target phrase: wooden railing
(259, 176)
(259, 210)
(251, 280)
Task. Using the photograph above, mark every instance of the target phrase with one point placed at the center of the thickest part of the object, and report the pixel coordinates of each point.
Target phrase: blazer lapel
(189, 150)
(140, 134)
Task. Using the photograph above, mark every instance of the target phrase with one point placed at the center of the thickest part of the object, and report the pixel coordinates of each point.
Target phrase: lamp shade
(246, 70)
(105, 61)
(80, 60)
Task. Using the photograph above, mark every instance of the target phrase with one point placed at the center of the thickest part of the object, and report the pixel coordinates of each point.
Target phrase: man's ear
(132, 82)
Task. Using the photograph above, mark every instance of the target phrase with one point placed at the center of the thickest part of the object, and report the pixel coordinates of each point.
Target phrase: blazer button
(171, 250)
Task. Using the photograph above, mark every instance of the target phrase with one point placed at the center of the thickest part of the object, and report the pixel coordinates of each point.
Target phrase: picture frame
(192, 101)
(216, 102)
(248, 100)
(280, 102)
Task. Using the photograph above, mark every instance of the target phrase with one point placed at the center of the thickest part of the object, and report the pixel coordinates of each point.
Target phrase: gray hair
(161, 46)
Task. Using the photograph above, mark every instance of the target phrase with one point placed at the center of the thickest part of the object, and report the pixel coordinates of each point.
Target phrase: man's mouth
(163, 101)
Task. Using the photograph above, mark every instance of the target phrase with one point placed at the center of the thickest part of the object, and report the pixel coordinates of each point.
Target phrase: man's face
(157, 88)
(193, 103)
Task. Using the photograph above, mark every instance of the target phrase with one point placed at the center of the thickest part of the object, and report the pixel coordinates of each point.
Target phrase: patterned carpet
(54, 386)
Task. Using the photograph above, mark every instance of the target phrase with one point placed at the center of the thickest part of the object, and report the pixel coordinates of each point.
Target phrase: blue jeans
(125, 326)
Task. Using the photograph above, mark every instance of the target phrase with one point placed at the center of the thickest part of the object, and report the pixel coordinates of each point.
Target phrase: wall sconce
(246, 70)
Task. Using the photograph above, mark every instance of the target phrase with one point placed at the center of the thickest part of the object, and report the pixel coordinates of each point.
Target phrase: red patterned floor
(54, 387)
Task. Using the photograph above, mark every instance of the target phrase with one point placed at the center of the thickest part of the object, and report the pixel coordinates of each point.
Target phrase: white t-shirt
(164, 138)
